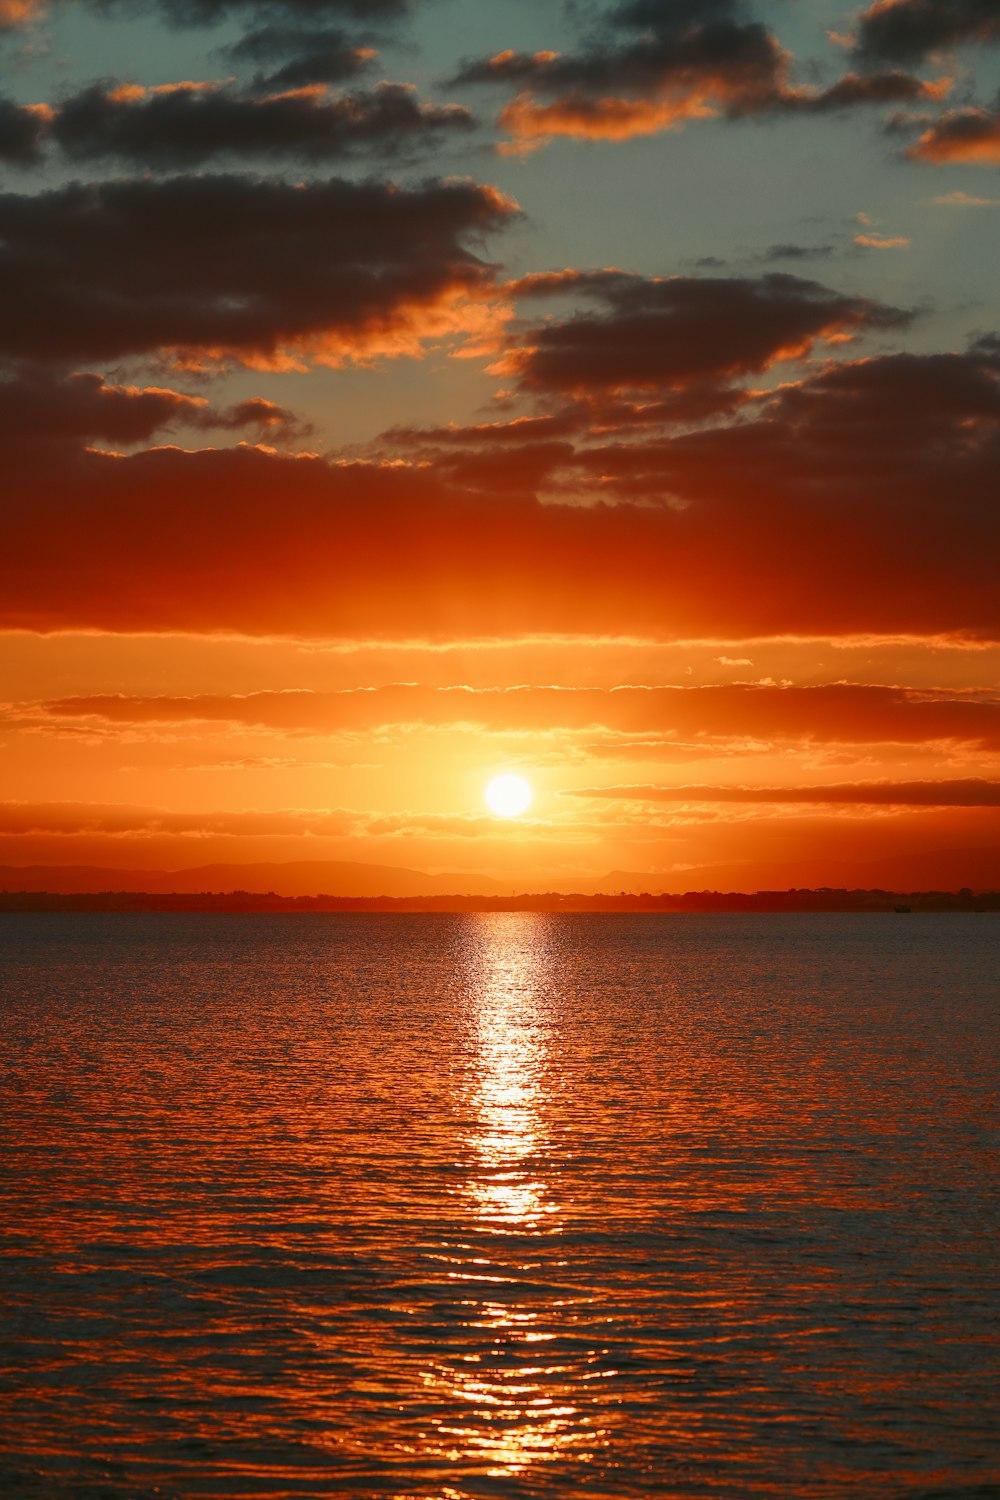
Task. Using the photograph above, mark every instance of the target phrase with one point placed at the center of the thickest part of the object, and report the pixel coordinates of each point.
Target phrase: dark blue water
(455, 1206)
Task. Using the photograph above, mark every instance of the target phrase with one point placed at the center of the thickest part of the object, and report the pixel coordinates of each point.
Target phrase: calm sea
(449, 1206)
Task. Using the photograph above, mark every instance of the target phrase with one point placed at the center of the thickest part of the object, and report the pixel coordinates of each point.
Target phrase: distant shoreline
(824, 899)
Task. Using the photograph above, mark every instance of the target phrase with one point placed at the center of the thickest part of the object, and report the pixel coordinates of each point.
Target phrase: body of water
(436, 1207)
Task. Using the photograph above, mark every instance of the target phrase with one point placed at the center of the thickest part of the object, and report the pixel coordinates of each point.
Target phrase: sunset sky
(397, 393)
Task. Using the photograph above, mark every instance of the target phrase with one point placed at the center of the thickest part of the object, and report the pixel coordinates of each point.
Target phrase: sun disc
(508, 796)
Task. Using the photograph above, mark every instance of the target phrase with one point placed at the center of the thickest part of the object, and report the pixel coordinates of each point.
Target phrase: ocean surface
(435, 1207)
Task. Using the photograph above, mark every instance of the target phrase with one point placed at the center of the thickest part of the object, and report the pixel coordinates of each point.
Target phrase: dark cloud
(226, 265)
(83, 407)
(678, 15)
(37, 407)
(533, 452)
(520, 430)
(658, 65)
(187, 124)
(266, 416)
(827, 514)
(681, 330)
(789, 251)
(653, 82)
(865, 88)
(364, 13)
(368, 16)
(986, 349)
(741, 63)
(525, 467)
(890, 437)
(756, 83)
(694, 507)
(305, 54)
(22, 129)
(572, 420)
(954, 400)
(971, 792)
(961, 135)
(906, 30)
(698, 402)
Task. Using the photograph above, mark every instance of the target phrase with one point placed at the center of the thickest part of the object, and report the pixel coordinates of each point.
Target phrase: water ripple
(436, 1208)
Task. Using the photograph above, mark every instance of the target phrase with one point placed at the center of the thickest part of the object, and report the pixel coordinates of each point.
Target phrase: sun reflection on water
(518, 1401)
(509, 1190)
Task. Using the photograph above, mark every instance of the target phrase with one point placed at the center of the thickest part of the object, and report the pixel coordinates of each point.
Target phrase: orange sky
(478, 393)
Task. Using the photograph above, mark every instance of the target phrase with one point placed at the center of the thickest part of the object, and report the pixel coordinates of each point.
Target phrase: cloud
(530, 452)
(836, 437)
(785, 250)
(972, 792)
(187, 124)
(958, 199)
(832, 713)
(680, 330)
(22, 129)
(306, 55)
(907, 30)
(961, 135)
(654, 67)
(364, 13)
(56, 411)
(228, 266)
(116, 819)
(819, 507)
(270, 763)
(882, 241)
(867, 88)
(719, 63)
(581, 117)
(15, 13)
(868, 400)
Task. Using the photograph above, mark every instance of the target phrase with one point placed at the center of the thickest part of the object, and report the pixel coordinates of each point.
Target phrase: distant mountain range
(949, 869)
(940, 869)
(300, 878)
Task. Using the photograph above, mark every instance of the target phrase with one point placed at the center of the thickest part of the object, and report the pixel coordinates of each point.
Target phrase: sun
(508, 796)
